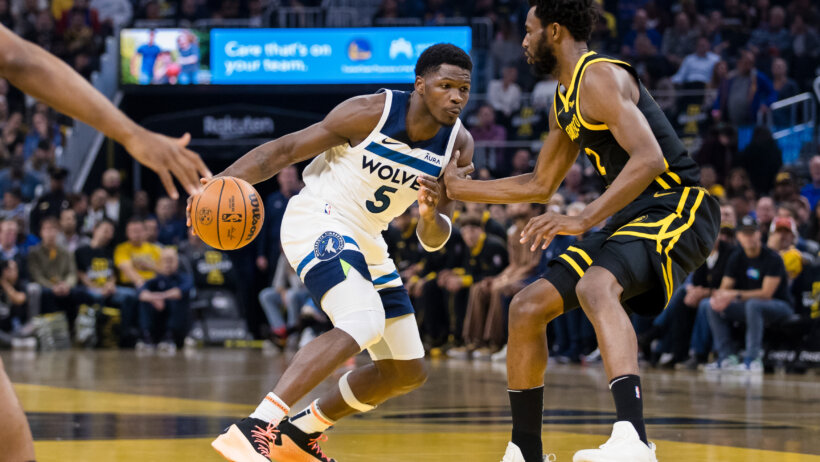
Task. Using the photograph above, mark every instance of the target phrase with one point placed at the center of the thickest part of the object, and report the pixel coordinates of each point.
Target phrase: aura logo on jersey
(329, 245)
(255, 216)
(389, 173)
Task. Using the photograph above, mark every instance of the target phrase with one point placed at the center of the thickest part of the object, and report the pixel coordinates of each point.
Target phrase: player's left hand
(169, 156)
(545, 227)
(428, 196)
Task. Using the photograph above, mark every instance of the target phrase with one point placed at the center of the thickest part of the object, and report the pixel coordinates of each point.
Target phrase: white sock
(271, 409)
(311, 419)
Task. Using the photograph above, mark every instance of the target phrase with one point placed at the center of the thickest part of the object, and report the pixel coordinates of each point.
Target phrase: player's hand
(428, 196)
(188, 223)
(169, 156)
(454, 173)
(545, 227)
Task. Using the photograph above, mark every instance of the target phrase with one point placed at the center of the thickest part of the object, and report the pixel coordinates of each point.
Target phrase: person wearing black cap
(753, 291)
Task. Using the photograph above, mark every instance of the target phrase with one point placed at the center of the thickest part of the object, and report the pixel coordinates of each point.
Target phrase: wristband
(449, 232)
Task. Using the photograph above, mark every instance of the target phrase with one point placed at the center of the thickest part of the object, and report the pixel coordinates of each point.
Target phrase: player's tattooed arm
(617, 108)
(349, 122)
(554, 161)
(433, 229)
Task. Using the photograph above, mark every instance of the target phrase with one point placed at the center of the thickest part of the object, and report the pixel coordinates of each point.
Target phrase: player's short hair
(578, 16)
(442, 53)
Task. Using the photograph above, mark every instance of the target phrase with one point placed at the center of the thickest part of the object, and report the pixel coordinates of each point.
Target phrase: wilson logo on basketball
(255, 216)
(231, 218)
(205, 216)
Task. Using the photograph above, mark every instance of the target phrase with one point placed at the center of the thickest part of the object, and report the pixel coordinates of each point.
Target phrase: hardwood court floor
(120, 406)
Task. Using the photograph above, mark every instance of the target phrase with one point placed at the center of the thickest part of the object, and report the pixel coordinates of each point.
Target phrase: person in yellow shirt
(136, 259)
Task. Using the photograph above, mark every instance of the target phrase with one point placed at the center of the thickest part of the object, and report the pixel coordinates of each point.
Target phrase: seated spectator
(98, 281)
(754, 292)
(697, 67)
(54, 201)
(487, 130)
(12, 304)
(504, 94)
(164, 308)
(41, 131)
(9, 250)
(171, 228)
(812, 190)
(783, 240)
(13, 207)
(572, 187)
(16, 176)
(68, 238)
(287, 294)
(772, 37)
(53, 269)
(151, 230)
(142, 204)
(640, 27)
(96, 210)
(488, 225)
(806, 293)
(679, 40)
(521, 162)
(484, 327)
(785, 188)
(765, 212)
(484, 256)
(117, 207)
(136, 259)
(42, 162)
(708, 178)
(783, 86)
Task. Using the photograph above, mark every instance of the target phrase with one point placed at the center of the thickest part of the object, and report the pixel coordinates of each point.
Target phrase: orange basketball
(228, 214)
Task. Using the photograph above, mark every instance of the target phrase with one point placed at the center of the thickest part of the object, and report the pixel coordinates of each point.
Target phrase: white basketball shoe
(623, 446)
(513, 454)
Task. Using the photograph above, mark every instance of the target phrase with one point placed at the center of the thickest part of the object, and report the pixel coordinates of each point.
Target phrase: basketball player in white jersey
(377, 155)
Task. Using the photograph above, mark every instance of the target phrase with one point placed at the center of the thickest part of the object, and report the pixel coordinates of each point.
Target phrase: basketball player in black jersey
(661, 225)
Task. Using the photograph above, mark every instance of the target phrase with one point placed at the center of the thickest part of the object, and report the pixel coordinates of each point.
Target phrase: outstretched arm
(617, 108)
(349, 122)
(556, 157)
(45, 77)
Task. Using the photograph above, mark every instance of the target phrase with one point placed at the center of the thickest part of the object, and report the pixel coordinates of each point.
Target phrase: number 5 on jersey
(382, 199)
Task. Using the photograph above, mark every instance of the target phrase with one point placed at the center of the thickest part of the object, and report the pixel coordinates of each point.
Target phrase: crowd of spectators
(62, 251)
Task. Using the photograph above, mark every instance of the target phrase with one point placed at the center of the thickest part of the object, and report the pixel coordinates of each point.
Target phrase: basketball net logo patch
(329, 245)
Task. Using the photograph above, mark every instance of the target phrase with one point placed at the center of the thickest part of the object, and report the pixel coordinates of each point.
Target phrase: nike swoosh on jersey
(659, 194)
(388, 141)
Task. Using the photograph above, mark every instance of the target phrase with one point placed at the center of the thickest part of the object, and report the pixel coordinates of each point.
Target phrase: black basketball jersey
(600, 146)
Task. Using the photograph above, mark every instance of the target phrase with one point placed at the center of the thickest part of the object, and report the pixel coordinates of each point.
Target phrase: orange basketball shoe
(249, 440)
(294, 445)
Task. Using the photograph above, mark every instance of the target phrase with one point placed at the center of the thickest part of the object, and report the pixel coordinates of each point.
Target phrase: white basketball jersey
(375, 181)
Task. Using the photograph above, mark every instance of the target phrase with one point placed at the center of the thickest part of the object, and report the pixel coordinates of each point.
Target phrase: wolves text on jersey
(390, 173)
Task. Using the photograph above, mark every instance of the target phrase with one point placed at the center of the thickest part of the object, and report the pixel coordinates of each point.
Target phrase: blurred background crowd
(735, 78)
